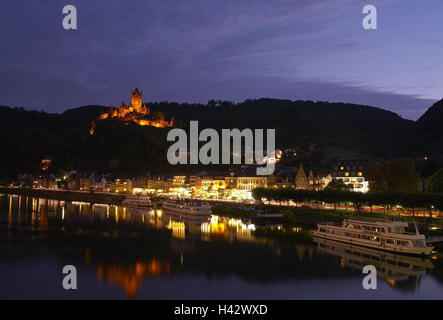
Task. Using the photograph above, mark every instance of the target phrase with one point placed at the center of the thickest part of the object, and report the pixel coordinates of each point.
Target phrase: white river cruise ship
(190, 209)
(390, 236)
(137, 201)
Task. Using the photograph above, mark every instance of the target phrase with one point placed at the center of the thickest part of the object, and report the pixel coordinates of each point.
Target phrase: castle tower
(136, 100)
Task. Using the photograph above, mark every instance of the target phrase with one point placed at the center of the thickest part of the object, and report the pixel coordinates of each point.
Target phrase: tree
(28, 182)
(338, 185)
(436, 182)
(397, 175)
(405, 199)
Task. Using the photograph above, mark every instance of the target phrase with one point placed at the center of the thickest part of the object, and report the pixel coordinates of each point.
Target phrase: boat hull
(188, 217)
(137, 205)
(188, 211)
(403, 250)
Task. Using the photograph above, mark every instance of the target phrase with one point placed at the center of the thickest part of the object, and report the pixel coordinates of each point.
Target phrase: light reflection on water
(132, 251)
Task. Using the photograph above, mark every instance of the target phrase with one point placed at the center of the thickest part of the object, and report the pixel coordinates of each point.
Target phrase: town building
(354, 173)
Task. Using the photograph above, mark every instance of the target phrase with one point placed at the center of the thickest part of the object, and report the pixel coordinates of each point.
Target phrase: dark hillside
(332, 130)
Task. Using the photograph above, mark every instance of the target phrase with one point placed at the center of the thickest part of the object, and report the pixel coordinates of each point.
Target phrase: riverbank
(305, 217)
(308, 218)
(93, 197)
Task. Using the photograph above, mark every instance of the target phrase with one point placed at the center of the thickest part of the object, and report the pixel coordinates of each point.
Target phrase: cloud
(186, 51)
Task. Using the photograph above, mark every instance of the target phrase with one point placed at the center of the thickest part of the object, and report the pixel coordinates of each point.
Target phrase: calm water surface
(121, 254)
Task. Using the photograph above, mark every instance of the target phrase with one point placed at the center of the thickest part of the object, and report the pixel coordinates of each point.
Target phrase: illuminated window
(342, 168)
(360, 174)
(346, 174)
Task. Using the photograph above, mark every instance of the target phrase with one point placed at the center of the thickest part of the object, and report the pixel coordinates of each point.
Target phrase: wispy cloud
(199, 49)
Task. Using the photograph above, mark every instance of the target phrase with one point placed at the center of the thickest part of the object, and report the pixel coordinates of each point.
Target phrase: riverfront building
(354, 173)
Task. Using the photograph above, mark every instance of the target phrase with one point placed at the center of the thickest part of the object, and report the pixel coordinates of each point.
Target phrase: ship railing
(363, 220)
(333, 224)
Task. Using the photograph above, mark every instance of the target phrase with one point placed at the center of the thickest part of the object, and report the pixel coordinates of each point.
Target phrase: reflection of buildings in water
(131, 277)
(39, 213)
(43, 213)
(399, 271)
(178, 229)
(303, 250)
(27, 211)
(182, 226)
(207, 229)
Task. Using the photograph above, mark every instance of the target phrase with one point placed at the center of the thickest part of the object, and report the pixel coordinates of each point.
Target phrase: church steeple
(301, 181)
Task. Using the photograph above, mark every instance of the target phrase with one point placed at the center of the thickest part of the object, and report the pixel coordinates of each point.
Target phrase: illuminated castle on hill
(136, 112)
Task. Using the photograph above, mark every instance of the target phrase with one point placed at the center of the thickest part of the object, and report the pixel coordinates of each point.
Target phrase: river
(123, 254)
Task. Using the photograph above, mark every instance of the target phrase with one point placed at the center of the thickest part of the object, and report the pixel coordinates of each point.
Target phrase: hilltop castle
(136, 112)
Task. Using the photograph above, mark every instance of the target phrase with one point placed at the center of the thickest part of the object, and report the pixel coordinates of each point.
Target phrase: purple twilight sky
(195, 50)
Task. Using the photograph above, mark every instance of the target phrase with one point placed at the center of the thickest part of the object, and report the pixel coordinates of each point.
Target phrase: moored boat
(388, 235)
(137, 201)
(188, 208)
(396, 269)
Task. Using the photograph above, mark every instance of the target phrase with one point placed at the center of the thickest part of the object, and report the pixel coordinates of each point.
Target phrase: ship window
(398, 230)
(419, 244)
(390, 261)
(402, 243)
(403, 264)
(390, 241)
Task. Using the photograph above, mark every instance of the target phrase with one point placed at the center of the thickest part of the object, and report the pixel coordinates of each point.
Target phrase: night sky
(196, 50)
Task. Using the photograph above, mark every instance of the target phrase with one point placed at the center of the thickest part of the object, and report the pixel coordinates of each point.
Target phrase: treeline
(408, 200)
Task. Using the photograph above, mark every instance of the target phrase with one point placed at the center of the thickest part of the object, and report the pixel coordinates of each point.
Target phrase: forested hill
(327, 130)
(430, 130)
(362, 130)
